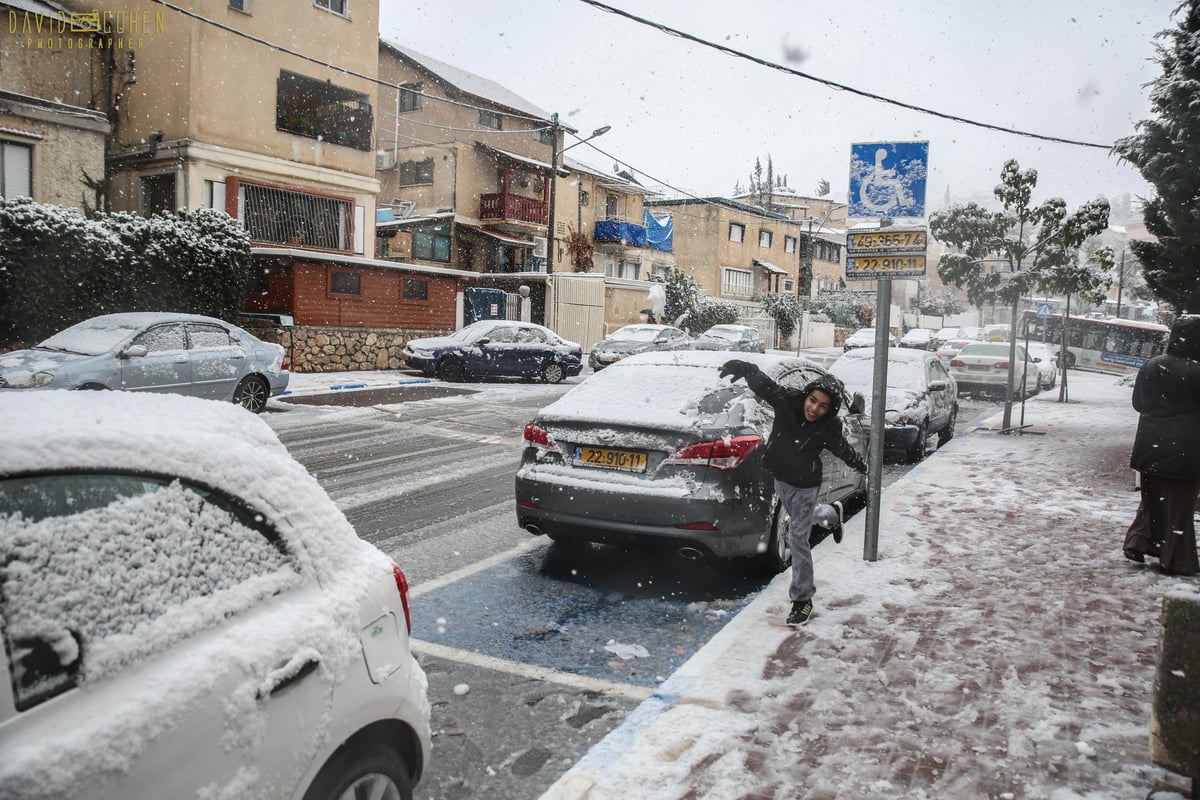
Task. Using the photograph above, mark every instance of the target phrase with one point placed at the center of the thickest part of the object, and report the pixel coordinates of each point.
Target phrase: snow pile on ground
(999, 647)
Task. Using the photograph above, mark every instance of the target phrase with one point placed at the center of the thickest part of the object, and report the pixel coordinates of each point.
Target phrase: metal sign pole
(883, 303)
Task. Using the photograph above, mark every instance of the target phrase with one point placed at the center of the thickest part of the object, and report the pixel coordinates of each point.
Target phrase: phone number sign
(886, 253)
(876, 242)
(871, 268)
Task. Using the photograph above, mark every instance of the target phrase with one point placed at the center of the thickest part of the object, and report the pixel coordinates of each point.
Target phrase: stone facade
(322, 349)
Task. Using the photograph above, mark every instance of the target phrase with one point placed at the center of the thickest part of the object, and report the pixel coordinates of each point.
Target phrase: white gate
(575, 307)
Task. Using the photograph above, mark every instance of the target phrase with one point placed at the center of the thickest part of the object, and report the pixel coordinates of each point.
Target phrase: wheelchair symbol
(881, 190)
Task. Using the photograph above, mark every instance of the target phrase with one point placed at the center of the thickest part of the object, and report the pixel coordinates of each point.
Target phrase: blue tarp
(660, 231)
(624, 232)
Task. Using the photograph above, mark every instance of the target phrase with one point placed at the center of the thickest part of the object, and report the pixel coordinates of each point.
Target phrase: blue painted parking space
(631, 618)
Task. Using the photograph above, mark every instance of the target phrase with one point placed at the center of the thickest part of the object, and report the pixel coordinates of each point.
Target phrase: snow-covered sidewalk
(1000, 646)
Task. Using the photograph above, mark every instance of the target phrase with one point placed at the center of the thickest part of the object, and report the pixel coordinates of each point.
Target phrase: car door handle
(287, 674)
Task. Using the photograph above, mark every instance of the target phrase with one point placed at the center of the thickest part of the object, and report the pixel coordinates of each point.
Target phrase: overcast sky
(696, 119)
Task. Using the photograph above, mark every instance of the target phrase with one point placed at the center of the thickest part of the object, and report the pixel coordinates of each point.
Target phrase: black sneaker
(801, 611)
(837, 534)
(1134, 555)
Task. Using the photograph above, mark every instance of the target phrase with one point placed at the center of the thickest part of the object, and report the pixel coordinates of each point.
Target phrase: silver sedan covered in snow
(659, 450)
(153, 352)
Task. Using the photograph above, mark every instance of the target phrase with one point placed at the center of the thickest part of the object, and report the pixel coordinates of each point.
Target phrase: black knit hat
(1185, 337)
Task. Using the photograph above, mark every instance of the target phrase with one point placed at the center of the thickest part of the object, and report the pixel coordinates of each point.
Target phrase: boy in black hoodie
(805, 424)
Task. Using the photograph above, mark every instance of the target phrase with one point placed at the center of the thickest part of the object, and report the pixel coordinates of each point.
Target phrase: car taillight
(536, 436)
(957, 362)
(284, 364)
(724, 454)
(1000, 365)
(402, 587)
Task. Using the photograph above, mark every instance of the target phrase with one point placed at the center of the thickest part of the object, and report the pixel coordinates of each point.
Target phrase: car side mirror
(483, 341)
(1037, 360)
(134, 351)
(858, 404)
(937, 386)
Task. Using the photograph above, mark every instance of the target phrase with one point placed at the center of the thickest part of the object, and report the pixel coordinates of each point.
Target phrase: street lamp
(554, 154)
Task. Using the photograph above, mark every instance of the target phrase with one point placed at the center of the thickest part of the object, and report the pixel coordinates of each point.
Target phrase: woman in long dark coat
(1166, 451)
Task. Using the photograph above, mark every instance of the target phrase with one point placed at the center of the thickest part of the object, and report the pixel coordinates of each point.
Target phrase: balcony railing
(513, 208)
(275, 215)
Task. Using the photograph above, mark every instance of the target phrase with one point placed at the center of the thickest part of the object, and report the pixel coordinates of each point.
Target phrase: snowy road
(533, 653)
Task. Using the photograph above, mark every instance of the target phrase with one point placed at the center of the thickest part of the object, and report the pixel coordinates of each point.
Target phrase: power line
(834, 84)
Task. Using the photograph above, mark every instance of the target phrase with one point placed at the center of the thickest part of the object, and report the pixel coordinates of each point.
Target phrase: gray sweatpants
(799, 504)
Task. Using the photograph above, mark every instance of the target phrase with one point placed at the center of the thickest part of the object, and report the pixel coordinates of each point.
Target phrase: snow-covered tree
(785, 309)
(59, 266)
(683, 294)
(1005, 255)
(1166, 150)
(1034, 247)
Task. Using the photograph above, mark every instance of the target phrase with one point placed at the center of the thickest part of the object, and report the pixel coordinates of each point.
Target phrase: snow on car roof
(658, 389)
(216, 444)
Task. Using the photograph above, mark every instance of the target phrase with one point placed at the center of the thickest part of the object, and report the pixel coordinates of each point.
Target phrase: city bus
(1099, 345)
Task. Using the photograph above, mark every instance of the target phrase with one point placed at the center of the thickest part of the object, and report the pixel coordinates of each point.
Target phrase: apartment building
(262, 109)
(735, 251)
(467, 183)
(52, 123)
(823, 223)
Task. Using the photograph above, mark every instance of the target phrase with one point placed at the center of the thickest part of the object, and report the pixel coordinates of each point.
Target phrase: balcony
(513, 208)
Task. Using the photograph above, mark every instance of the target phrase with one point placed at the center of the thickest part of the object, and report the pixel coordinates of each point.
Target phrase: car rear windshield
(985, 350)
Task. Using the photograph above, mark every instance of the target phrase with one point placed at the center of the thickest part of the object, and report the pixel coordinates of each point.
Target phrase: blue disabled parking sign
(887, 179)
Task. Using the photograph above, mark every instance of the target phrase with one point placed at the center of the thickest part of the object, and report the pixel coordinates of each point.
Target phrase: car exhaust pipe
(534, 529)
(691, 553)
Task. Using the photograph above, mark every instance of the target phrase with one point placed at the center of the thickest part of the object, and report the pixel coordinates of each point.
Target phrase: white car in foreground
(187, 614)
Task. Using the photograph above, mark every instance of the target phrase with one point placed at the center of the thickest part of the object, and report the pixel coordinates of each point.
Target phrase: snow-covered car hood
(434, 343)
(900, 403)
(18, 367)
(714, 344)
(626, 346)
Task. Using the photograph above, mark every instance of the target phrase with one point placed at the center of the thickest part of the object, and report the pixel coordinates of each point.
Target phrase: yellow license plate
(607, 458)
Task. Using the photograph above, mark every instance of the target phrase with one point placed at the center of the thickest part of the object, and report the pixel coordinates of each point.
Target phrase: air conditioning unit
(539, 246)
(384, 159)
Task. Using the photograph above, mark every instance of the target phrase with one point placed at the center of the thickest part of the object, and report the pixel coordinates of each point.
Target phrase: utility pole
(1120, 282)
(554, 131)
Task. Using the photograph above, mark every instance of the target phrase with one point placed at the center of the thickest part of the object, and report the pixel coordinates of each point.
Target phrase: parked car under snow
(922, 397)
(490, 348)
(153, 352)
(739, 338)
(187, 613)
(658, 450)
(633, 339)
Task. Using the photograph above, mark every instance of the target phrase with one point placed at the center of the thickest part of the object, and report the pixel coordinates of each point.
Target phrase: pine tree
(1166, 150)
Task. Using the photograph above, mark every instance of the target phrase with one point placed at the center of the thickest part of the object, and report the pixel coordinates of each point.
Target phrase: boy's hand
(736, 368)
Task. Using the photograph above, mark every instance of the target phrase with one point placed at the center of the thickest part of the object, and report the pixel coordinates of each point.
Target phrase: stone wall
(321, 349)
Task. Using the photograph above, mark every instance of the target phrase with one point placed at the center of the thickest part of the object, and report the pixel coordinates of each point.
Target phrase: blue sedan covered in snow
(495, 348)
